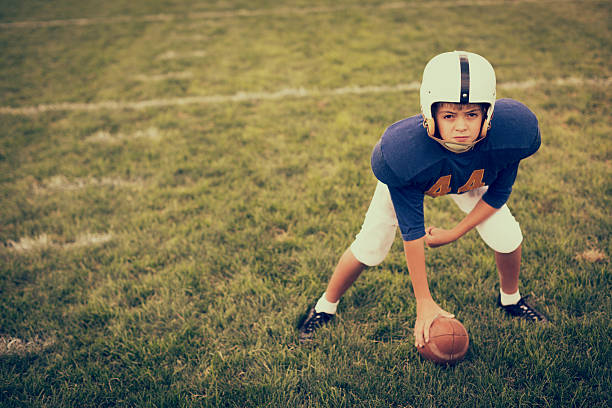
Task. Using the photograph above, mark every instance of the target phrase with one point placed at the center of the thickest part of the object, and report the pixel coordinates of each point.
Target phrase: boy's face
(459, 123)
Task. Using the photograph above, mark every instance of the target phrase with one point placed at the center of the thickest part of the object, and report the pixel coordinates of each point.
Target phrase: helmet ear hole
(485, 127)
(430, 125)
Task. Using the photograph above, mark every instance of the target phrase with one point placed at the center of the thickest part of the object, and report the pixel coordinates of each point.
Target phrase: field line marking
(163, 77)
(281, 94)
(43, 241)
(281, 11)
(15, 346)
(62, 184)
(170, 55)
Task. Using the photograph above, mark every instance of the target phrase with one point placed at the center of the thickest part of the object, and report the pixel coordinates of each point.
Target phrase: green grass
(220, 223)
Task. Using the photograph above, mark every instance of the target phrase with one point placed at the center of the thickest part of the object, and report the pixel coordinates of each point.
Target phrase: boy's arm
(437, 236)
(427, 308)
(494, 198)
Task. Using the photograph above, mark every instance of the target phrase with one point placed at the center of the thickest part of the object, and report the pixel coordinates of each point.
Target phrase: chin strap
(456, 147)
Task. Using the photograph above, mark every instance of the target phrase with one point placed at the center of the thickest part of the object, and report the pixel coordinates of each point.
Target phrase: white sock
(325, 306)
(511, 299)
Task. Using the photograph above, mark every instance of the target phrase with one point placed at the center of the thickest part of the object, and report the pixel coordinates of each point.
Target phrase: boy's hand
(435, 237)
(427, 312)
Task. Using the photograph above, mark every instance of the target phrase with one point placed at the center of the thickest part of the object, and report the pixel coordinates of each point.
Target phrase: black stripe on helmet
(464, 97)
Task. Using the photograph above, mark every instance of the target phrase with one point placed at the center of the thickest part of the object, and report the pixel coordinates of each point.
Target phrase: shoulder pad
(514, 126)
(403, 151)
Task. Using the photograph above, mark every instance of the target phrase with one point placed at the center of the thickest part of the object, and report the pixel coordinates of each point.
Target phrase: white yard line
(43, 241)
(170, 55)
(280, 11)
(64, 184)
(102, 136)
(282, 94)
(164, 77)
(15, 346)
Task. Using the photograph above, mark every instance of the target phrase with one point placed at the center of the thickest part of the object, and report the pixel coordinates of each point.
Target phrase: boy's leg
(347, 271)
(373, 242)
(509, 267)
(502, 233)
(369, 248)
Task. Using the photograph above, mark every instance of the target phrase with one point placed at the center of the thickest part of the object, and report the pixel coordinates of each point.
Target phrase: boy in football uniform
(457, 147)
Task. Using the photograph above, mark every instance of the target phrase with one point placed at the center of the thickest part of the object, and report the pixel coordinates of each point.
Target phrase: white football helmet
(459, 77)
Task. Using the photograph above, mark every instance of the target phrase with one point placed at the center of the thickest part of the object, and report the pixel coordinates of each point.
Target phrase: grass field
(179, 178)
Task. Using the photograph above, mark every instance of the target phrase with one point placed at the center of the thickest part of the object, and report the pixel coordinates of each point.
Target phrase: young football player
(457, 147)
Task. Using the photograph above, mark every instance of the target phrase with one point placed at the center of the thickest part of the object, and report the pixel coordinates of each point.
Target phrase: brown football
(448, 341)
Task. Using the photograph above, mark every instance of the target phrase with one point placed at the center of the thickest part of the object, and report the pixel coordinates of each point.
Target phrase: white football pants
(500, 231)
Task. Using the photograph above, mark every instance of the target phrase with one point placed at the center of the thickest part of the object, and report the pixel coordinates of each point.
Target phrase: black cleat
(312, 322)
(523, 310)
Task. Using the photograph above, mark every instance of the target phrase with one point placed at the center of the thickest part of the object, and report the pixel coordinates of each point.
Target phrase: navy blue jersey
(412, 165)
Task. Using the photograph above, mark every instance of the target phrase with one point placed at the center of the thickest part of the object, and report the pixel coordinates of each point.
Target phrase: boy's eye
(447, 116)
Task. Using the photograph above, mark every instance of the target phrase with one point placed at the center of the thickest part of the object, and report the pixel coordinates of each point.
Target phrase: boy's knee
(501, 232)
(368, 257)
(509, 243)
(371, 247)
